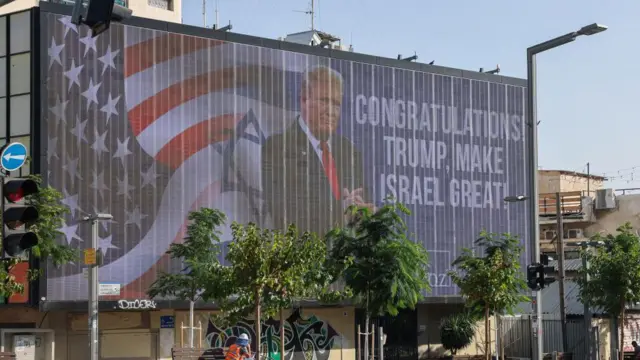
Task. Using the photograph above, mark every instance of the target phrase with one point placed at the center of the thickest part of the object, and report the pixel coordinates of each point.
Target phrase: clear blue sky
(588, 89)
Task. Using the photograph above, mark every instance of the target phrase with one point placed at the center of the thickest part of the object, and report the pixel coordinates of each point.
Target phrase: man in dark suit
(311, 174)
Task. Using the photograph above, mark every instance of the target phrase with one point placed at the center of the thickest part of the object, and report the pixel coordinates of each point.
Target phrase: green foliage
(492, 280)
(51, 219)
(199, 255)
(457, 331)
(299, 262)
(385, 271)
(614, 271)
(272, 269)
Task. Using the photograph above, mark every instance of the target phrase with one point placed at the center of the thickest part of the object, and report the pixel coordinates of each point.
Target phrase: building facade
(165, 10)
(155, 119)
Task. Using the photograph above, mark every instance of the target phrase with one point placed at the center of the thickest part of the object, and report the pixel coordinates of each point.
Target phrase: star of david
(232, 179)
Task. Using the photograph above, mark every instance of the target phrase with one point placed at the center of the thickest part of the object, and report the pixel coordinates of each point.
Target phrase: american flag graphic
(148, 125)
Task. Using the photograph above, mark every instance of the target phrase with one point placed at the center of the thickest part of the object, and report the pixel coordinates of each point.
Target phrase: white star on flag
(105, 243)
(89, 43)
(69, 232)
(68, 25)
(54, 52)
(107, 59)
(110, 107)
(91, 94)
(71, 167)
(59, 109)
(124, 188)
(149, 177)
(135, 217)
(73, 73)
(79, 130)
(71, 201)
(98, 145)
(122, 151)
(98, 183)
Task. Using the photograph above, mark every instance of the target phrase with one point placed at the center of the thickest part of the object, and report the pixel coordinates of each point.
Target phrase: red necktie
(330, 169)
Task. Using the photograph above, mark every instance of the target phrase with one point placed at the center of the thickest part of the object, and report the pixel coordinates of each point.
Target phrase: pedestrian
(240, 350)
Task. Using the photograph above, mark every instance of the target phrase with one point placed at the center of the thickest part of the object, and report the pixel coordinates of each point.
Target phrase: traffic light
(537, 278)
(16, 241)
(99, 14)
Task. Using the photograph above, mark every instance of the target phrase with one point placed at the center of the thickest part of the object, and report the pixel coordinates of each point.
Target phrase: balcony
(574, 207)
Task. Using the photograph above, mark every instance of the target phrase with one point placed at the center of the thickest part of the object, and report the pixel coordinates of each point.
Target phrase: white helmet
(243, 336)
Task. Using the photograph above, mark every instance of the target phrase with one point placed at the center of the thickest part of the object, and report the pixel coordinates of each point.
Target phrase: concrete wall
(140, 8)
(628, 210)
(17, 5)
(429, 318)
(555, 181)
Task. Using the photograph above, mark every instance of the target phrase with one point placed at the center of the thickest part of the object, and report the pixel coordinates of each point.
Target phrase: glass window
(20, 32)
(3, 76)
(3, 36)
(3, 117)
(20, 73)
(26, 141)
(20, 122)
(161, 4)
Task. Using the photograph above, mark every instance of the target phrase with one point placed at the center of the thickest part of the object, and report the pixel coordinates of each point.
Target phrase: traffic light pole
(93, 262)
(93, 295)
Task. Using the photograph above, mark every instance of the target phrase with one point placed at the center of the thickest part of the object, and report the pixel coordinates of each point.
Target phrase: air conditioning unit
(549, 234)
(605, 199)
(574, 234)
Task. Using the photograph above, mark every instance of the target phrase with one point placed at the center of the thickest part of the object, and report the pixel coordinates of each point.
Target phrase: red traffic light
(15, 190)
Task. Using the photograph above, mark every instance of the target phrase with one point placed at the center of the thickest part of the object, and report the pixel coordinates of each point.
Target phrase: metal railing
(570, 203)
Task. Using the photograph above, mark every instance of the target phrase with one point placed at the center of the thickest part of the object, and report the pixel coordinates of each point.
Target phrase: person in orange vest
(240, 350)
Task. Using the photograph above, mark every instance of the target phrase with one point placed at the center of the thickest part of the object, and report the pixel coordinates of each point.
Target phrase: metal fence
(517, 335)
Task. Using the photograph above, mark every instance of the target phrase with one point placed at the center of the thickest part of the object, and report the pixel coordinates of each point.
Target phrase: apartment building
(165, 10)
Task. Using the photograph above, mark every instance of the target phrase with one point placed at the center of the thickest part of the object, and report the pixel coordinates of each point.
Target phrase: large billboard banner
(148, 125)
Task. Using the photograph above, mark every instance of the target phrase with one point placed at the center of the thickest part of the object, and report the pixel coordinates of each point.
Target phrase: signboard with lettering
(167, 322)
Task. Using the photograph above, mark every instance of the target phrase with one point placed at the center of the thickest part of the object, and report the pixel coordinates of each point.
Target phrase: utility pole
(92, 259)
(588, 180)
(587, 310)
(560, 251)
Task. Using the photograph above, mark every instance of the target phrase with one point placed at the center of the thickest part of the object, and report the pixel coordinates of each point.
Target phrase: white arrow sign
(14, 157)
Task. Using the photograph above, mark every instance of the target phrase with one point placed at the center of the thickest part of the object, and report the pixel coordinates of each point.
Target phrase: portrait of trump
(310, 172)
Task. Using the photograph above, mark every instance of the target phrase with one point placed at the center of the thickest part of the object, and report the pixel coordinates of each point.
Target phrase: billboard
(148, 125)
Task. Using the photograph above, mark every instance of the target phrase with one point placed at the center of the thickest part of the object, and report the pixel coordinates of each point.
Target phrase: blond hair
(319, 74)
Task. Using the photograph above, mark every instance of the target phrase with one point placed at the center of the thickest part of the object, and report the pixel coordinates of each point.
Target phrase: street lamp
(515, 198)
(532, 121)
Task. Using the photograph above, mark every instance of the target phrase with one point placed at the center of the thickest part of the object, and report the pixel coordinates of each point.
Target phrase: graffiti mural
(305, 338)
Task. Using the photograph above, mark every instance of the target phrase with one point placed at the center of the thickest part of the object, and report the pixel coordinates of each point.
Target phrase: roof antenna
(310, 12)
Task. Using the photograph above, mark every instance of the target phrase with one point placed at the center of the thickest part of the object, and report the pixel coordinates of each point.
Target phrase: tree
(491, 283)
(269, 270)
(199, 254)
(252, 272)
(300, 267)
(385, 271)
(51, 218)
(614, 274)
(457, 331)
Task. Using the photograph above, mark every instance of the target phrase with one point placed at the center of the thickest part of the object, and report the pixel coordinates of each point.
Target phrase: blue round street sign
(13, 156)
